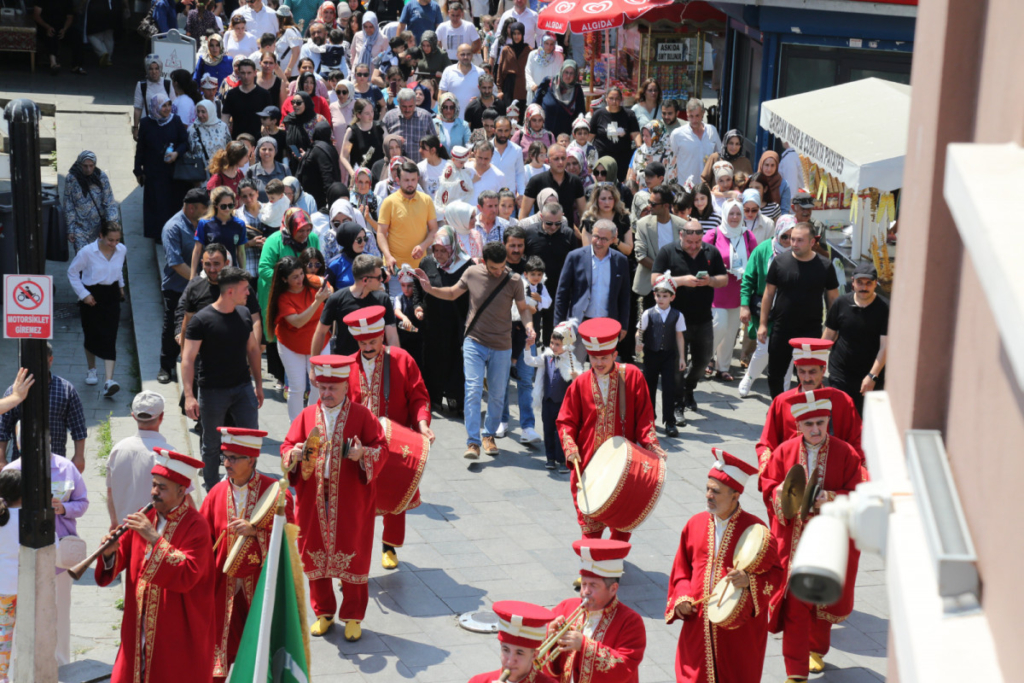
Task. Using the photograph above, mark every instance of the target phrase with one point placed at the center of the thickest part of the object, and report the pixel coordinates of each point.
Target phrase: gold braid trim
(671, 609)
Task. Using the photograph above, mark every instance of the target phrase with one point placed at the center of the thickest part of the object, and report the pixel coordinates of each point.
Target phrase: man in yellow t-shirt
(407, 221)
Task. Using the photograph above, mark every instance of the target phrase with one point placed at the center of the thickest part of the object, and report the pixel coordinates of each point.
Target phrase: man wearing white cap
(522, 628)
(167, 627)
(131, 459)
(701, 563)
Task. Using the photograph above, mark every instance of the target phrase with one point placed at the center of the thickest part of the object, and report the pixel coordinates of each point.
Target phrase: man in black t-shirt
(568, 186)
(796, 286)
(201, 291)
(858, 323)
(697, 269)
(367, 290)
(243, 104)
(229, 357)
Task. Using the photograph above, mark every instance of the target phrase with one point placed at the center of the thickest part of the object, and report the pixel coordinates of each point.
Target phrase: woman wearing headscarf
(321, 165)
(212, 60)
(563, 102)
(341, 115)
(462, 219)
(546, 196)
(753, 218)
(435, 60)
(307, 84)
(606, 170)
(424, 97)
(88, 200)
(162, 139)
(511, 78)
(752, 291)
(654, 147)
(777, 195)
(154, 80)
(326, 14)
(297, 197)
(368, 43)
(208, 135)
(576, 163)
(735, 243)
(351, 239)
(294, 237)
(300, 123)
(394, 148)
(545, 63)
(443, 321)
(533, 130)
(732, 151)
(451, 129)
(201, 19)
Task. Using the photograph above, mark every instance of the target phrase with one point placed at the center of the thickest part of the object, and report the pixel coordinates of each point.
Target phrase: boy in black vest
(558, 368)
(662, 355)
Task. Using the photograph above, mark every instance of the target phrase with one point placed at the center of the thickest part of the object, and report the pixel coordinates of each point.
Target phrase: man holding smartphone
(697, 268)
(368, 289)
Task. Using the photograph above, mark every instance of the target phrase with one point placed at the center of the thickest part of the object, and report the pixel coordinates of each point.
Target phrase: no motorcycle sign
(28, 307)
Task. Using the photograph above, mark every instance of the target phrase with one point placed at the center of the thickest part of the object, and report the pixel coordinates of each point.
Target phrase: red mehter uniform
(225, 502)
(520, 624)
(335, 499)
(614, 639)
(732, 651)
(167, 627)
(404, 401)
(807, 628)
(780, 426)
(591, 412)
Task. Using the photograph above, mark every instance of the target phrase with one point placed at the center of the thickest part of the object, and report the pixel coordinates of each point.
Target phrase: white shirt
(529, 21)
(91, 267)
(645, 319)
(720, 525)
(791, 171)
(368, 364)
(285, 47)
(233, 47)
(691, 152)
(185, 108)
(464, 86)
(430, 176)
(535, 73)
(812, 457)
(128, 470)
(312, 51)
(492, 179)
(258, 23)
(603, 385)
(330, 417)
(666, 234)
(449, 37)
(593, 619)
(511, 164)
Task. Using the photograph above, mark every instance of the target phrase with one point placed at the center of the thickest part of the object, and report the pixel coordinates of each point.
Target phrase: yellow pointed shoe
(321, 626)
(389, 560)
(795, 679)
(817, 663)
(353, 631)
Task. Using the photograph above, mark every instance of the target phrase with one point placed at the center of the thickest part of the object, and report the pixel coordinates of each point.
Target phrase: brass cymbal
(810, 495)
(792, 493)
(312, 444)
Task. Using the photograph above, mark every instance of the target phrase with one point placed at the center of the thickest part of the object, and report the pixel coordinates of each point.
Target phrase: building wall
(946, 368)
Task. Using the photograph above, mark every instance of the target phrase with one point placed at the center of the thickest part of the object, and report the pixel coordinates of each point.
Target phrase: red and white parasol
(586, 16)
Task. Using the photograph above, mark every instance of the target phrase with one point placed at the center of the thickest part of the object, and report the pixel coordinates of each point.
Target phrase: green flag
(272, 649)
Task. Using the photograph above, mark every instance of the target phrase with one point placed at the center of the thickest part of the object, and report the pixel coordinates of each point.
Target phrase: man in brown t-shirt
(487, 347)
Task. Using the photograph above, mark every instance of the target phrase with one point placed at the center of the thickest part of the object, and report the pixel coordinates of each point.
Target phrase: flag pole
(269, 594)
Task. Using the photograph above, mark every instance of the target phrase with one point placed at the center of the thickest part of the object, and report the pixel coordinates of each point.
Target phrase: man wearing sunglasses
(368, 289)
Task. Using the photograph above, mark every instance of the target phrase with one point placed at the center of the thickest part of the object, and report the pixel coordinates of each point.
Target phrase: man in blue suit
(595, 281)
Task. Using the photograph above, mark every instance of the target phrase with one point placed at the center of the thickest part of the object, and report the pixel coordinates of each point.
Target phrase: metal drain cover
(479, 622)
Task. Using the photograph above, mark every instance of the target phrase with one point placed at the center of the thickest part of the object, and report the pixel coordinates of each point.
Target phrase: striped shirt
(711, 222)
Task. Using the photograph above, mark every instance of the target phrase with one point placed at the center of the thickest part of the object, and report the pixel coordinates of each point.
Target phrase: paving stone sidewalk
(500, 528)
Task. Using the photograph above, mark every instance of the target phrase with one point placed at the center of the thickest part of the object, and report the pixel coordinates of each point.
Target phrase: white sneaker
(502, 430)
(91, 378)
(530, 435)
(745, 385)
(110, 387)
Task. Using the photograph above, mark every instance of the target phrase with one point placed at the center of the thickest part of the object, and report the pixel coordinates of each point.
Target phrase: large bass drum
(399, 483)
(621, 485)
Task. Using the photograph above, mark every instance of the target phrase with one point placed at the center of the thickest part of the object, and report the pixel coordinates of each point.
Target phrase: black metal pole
(37, 516)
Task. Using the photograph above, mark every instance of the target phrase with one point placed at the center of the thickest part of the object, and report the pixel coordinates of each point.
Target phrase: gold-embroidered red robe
(611, 655)
(335, 512)
(167, 627)
(732, 651)
(233, 594)
(587, 419)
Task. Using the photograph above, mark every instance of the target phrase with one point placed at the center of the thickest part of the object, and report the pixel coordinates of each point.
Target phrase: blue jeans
(478, 359)
(214, 406)
(524, 385)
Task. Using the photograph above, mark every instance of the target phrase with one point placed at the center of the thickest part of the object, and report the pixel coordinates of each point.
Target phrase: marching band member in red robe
(707, 548)
(605, 644)
(403, 399)
(335, 495)
(806, 629)
(592, 410)
(167, 627)
(521, 631)
(228, 509)
(810, 358)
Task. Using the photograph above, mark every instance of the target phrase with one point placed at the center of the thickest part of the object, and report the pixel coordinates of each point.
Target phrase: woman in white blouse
(238, 42)
(96, 275)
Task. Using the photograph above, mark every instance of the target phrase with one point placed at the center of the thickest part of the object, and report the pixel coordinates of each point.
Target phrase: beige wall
(947, 369)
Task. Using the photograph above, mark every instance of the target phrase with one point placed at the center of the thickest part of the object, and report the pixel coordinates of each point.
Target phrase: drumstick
(219, 539)
(722, 596)
(579, 480)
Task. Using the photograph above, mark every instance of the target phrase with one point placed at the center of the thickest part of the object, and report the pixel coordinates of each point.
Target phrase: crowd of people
(405, 210)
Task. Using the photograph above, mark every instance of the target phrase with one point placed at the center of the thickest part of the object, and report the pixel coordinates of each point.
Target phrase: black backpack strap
(488, 300)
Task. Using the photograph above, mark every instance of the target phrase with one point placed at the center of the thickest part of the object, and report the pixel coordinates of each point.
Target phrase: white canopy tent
(857, 132)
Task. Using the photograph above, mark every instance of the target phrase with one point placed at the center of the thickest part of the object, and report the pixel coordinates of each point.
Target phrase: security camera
(819, 565)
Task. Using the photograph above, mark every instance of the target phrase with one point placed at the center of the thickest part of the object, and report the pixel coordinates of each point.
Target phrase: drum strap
(386, 360)
(622, 397)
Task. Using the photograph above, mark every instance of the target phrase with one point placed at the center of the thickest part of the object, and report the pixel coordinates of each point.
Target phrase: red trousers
(394, 530)
(616, 535)
(354, 598)
(802, 633)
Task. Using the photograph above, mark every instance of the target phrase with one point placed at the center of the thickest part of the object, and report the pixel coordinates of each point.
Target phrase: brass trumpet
(505, 673)
(547, 651)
